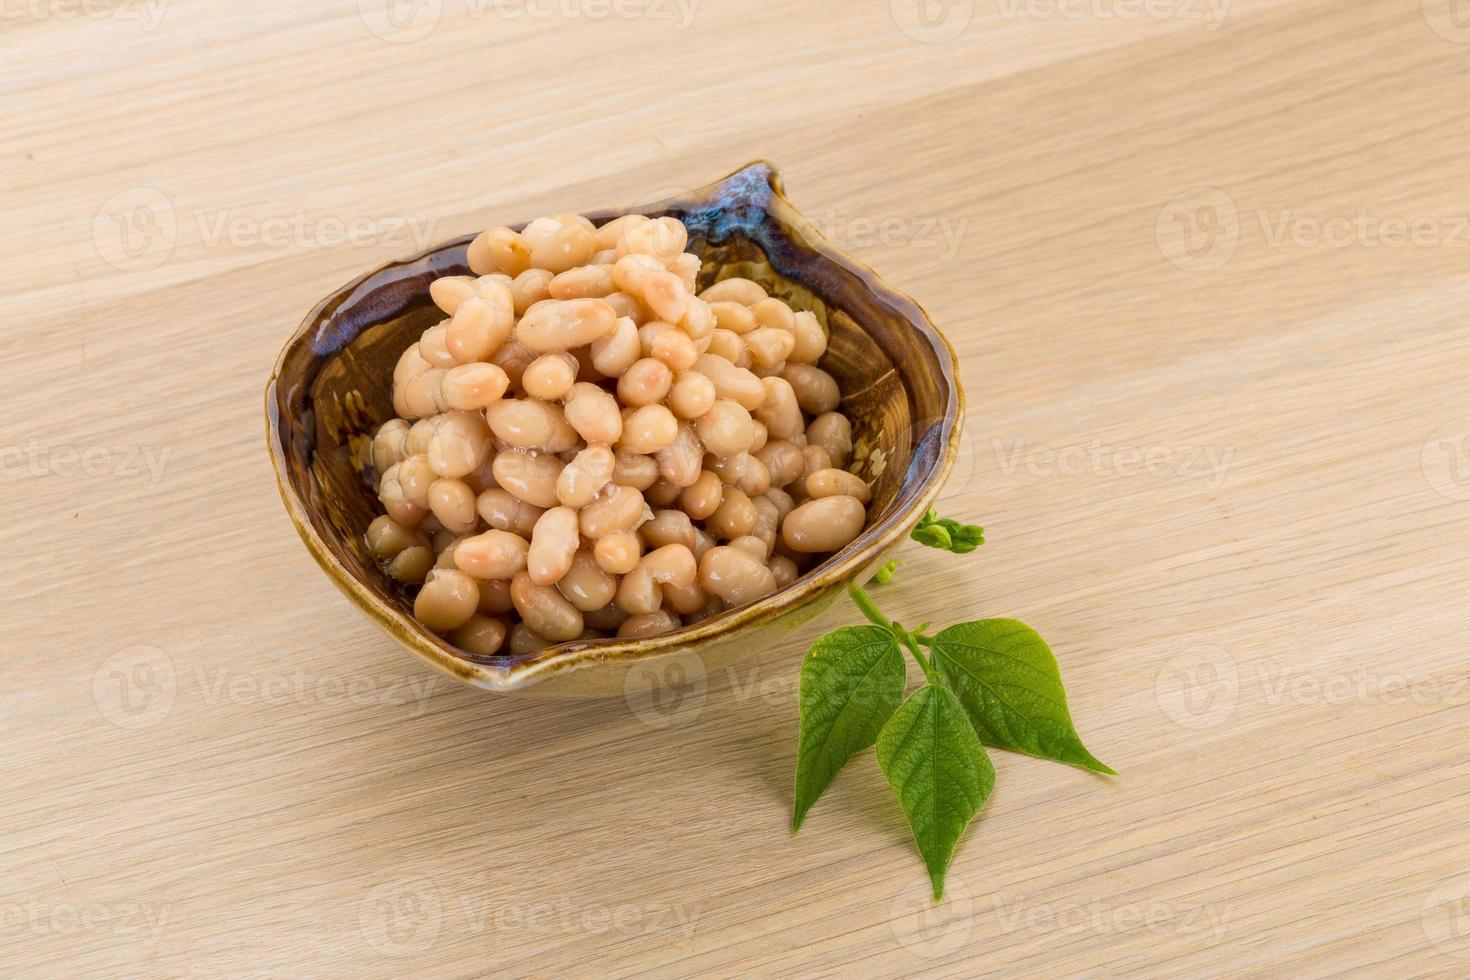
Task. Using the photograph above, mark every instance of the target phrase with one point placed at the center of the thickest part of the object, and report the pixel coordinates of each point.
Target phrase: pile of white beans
(587, 448)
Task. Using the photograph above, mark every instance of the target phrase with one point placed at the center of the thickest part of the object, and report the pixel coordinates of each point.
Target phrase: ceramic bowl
(331, 390)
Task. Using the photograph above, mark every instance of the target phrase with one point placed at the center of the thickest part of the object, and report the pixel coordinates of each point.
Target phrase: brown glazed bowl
(331, 390)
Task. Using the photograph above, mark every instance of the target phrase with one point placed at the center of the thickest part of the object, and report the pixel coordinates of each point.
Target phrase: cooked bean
(448, 599)
(724, 344)
(411, 565)
(726, 428)
(784, 570)
(564, 324)
(388, 444)
(492, 554)
(453, 503)
(668, 527)
(679, 462)
(631, 272)
(530, 288)
(587, 586)
(744, 471)
(698, 321)
(423, 394)
(524, 642)
(734, 383)
(691, 395)
(416, 476)
(646, 381)
(419, 434)
(544, 610)
(687, 266)
(635, 470)
(459, 444)
(588, 472)
(775, 314)
(832, 482)
(505, 512)
(833, 432)
(553, 543)
(703, 496)
(664, 295)
(526, 423)
(618, 508)
(557, 246)
(494, 596)
(653, 624)
(616, 352)
(513, 359)
(585, 282)
(448, 292)
(751, 545)
(529, 476)
(663, 494)
(688, 599)
(663, 238)
(813, 458)
(782, 500)
(386, 539)
(474, 386)
(823, 524)
(649, 429)
(816, 390)
(617, 553)
(673, 564)
(593, 413)
(626, 305)
(735, 576)
(550, 376)
(479, 327)
(410, 364)
(735, 290)
(507, 249)
(734, 317)
(811, 339)
(734, 517)
(674, 348)
(607, 236)
(768, 346)
(479, 635)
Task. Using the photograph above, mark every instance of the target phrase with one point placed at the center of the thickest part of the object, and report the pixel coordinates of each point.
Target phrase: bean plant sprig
(988, 682)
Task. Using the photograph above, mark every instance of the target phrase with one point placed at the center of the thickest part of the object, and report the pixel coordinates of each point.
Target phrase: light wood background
(1209, 283)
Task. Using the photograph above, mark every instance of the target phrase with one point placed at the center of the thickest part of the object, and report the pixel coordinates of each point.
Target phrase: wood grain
(1207, 284)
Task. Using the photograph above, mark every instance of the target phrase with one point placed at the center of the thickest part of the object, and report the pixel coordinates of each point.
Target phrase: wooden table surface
(1207, 267)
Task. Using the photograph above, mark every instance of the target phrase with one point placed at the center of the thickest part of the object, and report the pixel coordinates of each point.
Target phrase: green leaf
(935, 763)
(1007, 679)
(851, 681)
(947, 535)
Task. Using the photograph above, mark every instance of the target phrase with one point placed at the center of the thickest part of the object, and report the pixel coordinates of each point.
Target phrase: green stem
(865, 603)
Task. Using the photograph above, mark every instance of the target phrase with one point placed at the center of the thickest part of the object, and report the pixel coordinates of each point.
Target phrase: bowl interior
(332, 386)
